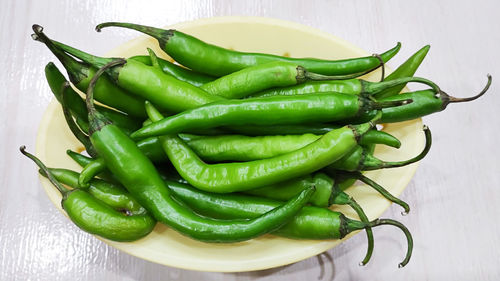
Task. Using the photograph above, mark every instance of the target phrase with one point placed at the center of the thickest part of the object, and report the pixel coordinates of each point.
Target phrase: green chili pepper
(76, 104)
(94, 216)
(230, 177)
(407, 69)
(310, 222)
(425, 102)
(80, 74)
(139, 176)
(179, 72)
(264, 111)
(216, 61)
(264, 76)
(350, 86)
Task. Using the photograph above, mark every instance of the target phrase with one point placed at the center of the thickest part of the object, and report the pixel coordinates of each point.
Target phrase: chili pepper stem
(369, 232)
(447, 99)
(361, 129)
(352, 225)
(160, 34)
(96, 119)
(95, 61)
(382, 66)
(73, 66)
(373, 88)
(77, 132)
(44, 168)
(372, 163)
(380, 189)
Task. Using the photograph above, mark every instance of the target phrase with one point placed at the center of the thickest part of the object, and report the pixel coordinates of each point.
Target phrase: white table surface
(454, 195)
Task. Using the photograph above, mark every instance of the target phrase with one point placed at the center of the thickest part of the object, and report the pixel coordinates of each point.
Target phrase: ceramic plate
(168, 247)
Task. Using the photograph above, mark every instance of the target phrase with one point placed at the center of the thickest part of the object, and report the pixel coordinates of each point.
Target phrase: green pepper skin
(259, 111)
(109, 193)
(216, 61)
(136, 172)
(95, 217)
(407, 69)
(255, 79)
(77, 106)
(179, 72)
(348, 86)
(243, 148)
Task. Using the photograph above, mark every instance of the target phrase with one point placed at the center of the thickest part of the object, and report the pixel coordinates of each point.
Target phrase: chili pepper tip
(37, 28)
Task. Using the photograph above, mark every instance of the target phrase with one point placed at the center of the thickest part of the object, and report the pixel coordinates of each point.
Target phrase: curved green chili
(94, 216)
(216, 61)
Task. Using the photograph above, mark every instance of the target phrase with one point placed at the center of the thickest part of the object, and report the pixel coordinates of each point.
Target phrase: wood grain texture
(454, 195)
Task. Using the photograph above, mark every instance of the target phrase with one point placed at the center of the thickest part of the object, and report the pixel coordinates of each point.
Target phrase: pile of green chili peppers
(231, 145)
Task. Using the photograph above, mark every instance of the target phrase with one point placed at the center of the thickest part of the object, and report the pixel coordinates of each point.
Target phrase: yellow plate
(168, 247)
